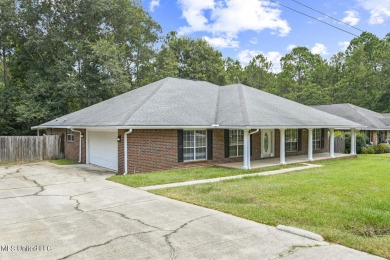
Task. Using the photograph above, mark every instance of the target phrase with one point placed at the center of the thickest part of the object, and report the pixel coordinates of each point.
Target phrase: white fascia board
(201, 127)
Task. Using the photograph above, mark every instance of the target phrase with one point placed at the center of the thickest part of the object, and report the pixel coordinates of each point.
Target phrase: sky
(241, 29)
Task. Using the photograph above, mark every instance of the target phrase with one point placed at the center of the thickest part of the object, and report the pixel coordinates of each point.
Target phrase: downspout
(81, 136)
(254, 132)
(125, 149)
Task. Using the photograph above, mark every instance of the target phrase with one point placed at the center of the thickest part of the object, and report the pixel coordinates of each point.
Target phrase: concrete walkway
(72, 212)
(187, 183)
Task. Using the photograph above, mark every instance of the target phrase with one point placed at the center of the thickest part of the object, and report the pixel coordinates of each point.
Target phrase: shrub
(378, 149)
(361, 140)
(386, 148)
(338, 134)
(368, 150)
(382, 148)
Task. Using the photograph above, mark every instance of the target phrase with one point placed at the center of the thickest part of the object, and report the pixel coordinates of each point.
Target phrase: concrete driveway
(72, 212)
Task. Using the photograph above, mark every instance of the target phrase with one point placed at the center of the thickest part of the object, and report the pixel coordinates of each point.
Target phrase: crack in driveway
(168, 236)
(134, 219)
(292, 249)
(40, 186)
(107, 242)
(10, 173)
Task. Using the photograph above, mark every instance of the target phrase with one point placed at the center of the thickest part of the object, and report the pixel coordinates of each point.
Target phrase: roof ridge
(217, 105)
(357, 108)
(130, 115)
(243, 105)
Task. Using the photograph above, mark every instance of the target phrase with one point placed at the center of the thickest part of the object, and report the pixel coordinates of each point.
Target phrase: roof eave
(213, 126)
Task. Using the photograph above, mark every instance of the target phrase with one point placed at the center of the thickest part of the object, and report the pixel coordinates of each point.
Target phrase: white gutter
(81, 136)
(125, 149)
(208, 127)
(251, 133)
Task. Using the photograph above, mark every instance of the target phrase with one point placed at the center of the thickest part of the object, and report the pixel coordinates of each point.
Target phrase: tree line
(57, 57)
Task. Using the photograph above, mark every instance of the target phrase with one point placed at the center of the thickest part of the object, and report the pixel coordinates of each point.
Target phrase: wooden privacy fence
(30, 148)
(339, 145)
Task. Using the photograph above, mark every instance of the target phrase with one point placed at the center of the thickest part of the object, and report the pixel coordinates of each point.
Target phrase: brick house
(375, 125)
(178, 123)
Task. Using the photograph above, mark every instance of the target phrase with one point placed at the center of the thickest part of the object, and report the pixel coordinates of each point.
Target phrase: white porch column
(247, 150)
(353, 141)
(310, 145)
(331, 144)
(282, 146)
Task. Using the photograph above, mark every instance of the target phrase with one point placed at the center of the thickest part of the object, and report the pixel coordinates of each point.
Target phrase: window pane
(240, 150)
(295, 135)
(188, 154)
(233, 151)
(288, 134)
(188, 139)
(240, 137)
(232, 137)
(288, 147)
(201, 138)
(201, 153)
(192, 138)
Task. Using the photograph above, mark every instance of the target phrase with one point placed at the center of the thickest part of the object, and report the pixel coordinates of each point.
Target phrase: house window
(236, 143)
(69, 135)
(194, 145)
(291, 140)
(316, 139)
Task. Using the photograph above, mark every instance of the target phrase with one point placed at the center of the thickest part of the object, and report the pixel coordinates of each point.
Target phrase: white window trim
(193, 160)
(291, 142)
(237, 145)
(317, 138)
(68, 134)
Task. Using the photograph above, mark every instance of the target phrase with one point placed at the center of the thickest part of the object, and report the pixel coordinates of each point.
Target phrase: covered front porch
(269, 162)
(324, 144)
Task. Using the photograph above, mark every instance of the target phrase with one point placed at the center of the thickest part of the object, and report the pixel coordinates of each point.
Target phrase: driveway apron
(71, 212)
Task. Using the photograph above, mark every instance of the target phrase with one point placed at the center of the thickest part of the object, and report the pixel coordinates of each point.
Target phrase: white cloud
(245, 57)
(343, 45)
(351, 18)
(227, 18)
(153, 4)
(253, 40)
(290, 47)
(379, 10)
(221, 42)
(319, 48)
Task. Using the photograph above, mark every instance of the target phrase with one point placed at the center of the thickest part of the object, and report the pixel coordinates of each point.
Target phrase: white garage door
(103, 149)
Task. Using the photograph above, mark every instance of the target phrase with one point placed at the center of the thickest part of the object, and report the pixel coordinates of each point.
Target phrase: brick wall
(152, 150)
(71, 149)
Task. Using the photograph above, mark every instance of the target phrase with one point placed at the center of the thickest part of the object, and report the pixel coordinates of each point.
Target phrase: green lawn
(347, 201)
(63, 162)
(180, 175)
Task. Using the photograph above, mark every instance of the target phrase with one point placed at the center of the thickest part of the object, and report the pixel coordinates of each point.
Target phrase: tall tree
(234, 71)
(195, 59)
(363, 78)
(258, 73)
(74, 53)
(303, 77)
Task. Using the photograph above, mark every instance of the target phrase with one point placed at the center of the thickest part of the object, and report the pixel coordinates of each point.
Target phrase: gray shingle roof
(368, 118)
(386, 118)
(180, 103)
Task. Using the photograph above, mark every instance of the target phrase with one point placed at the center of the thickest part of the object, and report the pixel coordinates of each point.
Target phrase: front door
(267, 143)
